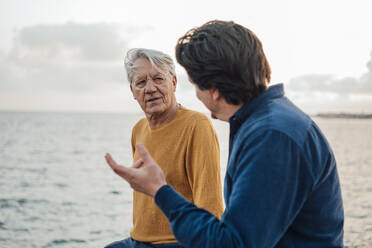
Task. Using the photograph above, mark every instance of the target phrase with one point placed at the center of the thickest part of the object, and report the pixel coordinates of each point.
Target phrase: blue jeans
(131, 243)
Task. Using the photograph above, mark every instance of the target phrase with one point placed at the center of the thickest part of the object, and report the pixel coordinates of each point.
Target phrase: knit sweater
(187, 151)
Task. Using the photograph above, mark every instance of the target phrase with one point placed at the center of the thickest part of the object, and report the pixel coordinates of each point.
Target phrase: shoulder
(193, 117)
(279, 118)
(196, 123)
(283, 125)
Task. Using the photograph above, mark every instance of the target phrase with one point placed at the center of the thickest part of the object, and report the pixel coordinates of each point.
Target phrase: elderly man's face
(153, 89)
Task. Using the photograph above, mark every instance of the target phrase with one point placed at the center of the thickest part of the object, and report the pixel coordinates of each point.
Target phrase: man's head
(225, 56)
(152, 79)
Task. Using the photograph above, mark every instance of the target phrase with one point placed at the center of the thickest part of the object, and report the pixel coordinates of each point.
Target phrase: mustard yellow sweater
(187, 150)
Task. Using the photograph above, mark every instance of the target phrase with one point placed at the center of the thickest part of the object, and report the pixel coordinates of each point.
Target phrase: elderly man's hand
(144, 176)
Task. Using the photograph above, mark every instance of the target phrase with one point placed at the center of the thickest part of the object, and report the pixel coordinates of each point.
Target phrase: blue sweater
(281, 185)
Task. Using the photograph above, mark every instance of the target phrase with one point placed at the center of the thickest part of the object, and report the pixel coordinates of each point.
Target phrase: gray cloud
(322, 93)
(99, 41)
(329, 84)
(67, 57)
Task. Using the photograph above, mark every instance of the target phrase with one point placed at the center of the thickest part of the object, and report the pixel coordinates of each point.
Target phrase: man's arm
(270, 184)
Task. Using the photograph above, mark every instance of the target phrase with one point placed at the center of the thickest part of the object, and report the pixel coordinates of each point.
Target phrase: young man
(281, 185)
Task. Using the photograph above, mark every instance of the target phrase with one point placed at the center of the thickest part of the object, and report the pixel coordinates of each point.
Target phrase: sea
(56, 191)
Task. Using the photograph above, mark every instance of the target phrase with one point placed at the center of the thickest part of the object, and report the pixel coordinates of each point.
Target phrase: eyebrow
(145, 76)
(158, 74)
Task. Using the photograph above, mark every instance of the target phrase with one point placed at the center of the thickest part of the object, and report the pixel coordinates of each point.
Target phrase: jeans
(131, 243)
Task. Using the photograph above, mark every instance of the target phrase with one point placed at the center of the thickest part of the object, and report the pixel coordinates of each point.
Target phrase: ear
(131, 89)
(215, 93)
(174, 82)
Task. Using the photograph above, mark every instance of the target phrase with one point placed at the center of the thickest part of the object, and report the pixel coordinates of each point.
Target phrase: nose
(150, 86)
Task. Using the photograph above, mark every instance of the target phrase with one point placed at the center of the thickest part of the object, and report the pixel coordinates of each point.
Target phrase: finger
(137, 164)
(122, 171)
(110, 161)
(118, 169)
(144, 154)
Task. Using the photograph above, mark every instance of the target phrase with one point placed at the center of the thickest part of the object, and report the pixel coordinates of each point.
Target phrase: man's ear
(215, 93)
(174, 82)
(131, 89)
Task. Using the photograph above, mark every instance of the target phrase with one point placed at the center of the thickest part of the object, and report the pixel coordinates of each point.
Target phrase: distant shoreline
(345, 115)
(329, 115)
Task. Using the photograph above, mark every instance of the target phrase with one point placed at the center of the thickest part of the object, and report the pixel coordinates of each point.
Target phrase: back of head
(226, 56)
(157, 58)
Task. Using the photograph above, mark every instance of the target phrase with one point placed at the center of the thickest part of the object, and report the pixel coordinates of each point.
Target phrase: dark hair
(226, 56)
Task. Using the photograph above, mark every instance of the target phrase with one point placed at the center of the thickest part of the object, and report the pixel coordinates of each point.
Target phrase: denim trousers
(131, 243)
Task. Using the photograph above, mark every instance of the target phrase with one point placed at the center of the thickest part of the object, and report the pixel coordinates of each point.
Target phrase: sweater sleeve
(203, 167)
(269, 186)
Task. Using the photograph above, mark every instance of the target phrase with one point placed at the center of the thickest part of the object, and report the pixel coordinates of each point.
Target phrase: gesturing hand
(147, 178)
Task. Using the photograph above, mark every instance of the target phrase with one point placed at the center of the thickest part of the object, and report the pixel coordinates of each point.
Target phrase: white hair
(157, 59)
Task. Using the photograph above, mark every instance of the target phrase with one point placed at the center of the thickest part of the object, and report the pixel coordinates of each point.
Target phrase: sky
(68, 55)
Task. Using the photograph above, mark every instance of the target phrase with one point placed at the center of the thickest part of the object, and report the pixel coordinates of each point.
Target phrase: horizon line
(140, 112)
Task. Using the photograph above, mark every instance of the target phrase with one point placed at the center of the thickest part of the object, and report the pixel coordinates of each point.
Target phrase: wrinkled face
(153, 88)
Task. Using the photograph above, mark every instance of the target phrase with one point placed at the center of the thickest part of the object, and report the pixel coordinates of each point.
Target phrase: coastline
(345, 115)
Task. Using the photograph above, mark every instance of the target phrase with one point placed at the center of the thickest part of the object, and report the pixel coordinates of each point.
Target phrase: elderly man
(281, 185)
(182, 141)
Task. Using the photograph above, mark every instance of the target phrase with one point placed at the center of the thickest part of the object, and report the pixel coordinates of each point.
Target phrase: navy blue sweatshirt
(281, 185)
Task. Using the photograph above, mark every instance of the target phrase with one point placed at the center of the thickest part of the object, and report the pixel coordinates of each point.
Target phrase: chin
(155, 110)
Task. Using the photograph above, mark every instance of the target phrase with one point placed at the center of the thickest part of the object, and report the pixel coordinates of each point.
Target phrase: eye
(158, 79)
(140, 83)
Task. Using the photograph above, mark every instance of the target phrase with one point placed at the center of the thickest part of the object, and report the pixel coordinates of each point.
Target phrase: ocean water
(57, 191)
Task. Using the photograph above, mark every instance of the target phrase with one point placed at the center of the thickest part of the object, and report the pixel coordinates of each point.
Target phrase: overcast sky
(68, 55)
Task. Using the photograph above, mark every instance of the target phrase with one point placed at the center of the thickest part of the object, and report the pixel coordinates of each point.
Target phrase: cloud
(64, 60)
(323, 92)
(92, 42)
(69, 56)
(329, 84)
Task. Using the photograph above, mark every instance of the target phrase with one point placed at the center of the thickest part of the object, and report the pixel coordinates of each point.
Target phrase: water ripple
(16, 202)
(66, 241)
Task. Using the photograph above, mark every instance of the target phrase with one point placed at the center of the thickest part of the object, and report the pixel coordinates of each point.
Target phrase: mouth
(152, 99)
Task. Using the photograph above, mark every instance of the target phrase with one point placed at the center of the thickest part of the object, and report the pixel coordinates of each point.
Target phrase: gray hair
(157, 59)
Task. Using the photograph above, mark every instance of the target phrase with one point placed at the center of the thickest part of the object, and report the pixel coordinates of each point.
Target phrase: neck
(158, 120)
(228, 111)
